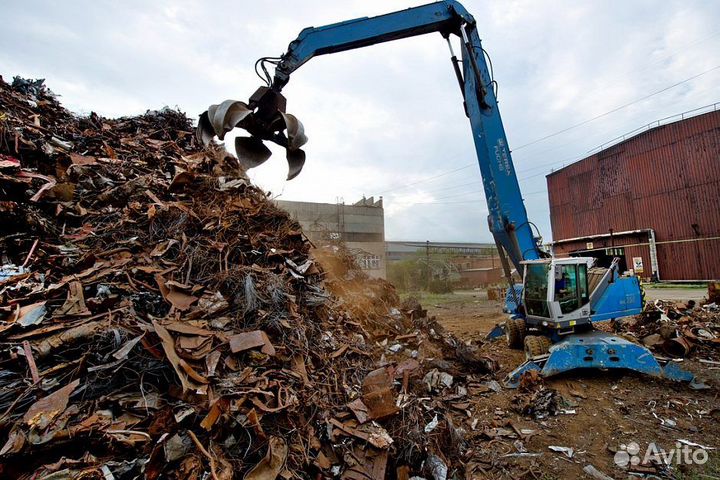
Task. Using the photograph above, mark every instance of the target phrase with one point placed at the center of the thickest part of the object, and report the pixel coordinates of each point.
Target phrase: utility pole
(427, 264)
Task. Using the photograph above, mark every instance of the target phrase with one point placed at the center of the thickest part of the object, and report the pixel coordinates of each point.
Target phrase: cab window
(583, 284)
(571, 289)
(536, 289)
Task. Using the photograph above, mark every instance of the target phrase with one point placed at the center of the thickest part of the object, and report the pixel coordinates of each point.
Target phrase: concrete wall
(361, 227)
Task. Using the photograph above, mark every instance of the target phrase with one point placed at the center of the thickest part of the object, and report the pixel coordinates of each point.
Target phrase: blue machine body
(621, 298)
(507, 219)
(601, 350)
(513, 296)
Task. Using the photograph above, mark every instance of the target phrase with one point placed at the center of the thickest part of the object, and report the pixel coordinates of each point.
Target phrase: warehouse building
(360, 227)
(652, 199)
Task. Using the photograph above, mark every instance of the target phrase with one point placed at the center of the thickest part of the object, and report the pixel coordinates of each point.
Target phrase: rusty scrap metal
(160, 317)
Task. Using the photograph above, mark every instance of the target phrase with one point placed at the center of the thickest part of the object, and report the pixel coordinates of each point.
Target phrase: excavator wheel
(536, 345)
(515, 332)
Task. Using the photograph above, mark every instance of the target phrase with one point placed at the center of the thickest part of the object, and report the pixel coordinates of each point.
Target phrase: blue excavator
(553, 310)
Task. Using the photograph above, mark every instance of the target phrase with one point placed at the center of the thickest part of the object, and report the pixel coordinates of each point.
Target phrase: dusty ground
(611, 408)
(465, 312)
(682, 294)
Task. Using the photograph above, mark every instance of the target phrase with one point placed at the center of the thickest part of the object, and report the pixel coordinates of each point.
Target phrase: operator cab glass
(536, 287)
(571, 287)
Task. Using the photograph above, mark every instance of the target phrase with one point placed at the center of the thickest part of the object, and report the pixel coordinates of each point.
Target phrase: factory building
(653, 199)
(360, 227)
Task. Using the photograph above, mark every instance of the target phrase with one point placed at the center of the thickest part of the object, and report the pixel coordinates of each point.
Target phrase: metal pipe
(601, 235)
(473, 61)
(654, 264)
(456, 68)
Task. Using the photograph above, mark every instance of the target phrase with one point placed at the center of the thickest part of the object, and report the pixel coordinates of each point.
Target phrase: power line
(572, 127)
(438, 203)
(452, 187)
(474, 192)
(459, 201)
(623, 137)
(642, 69)
(585, 122)
(544, 172)
(677, 52)
(425, 179)
(574, 157)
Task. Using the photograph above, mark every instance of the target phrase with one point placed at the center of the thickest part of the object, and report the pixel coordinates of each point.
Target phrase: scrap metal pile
(161, 318)
(679, 329)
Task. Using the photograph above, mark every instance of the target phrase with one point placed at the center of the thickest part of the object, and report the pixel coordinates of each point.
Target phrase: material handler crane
(552, 312)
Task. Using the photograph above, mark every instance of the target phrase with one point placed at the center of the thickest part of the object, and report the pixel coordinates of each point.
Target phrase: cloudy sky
(386, 120)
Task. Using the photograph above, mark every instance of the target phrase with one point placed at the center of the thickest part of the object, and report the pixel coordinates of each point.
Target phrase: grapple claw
(251, 152)
(295, 139)
(264, 118)
(227, 116)
(295, 131)
(204, 131)
(296, 160)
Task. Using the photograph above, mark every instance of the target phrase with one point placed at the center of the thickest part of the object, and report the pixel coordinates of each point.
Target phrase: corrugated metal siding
(666, 179)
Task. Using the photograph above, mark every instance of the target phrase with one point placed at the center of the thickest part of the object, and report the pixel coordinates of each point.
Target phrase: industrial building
(475, 264)
(652, 199)
(402, 250)
(360, 227)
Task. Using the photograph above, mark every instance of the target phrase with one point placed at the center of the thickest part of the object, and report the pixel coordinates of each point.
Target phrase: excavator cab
(555, 301)
(561, 296)
(556, 295)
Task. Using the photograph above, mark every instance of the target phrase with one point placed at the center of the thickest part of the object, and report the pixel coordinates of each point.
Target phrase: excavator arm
(507, 217)
(444, 17)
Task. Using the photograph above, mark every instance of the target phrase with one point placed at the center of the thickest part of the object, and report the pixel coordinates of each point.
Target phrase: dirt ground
(465, 312)
(611, 408)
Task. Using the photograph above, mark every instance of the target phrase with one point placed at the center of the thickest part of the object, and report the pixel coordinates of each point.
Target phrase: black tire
(536, 345)
(515, 332)
(547, 343)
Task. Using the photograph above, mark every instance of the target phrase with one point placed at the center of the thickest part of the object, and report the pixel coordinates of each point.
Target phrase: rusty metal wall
(667, 179)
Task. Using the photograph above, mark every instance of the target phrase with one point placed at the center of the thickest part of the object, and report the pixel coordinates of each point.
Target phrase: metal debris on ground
(569, 452)
(678, 329)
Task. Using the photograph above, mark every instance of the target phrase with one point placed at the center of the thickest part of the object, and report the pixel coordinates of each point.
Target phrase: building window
(370, 262)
